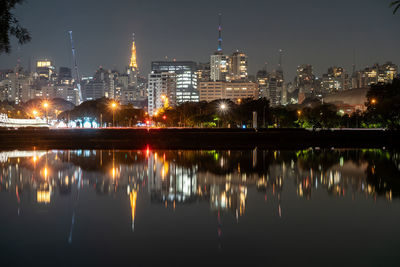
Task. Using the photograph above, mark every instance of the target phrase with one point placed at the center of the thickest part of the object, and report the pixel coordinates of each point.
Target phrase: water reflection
(173, 178)
(222, 181)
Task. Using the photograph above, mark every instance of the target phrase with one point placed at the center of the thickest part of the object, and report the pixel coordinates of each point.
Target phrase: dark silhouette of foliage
(9, 26)
(396, 5)
(383, 105)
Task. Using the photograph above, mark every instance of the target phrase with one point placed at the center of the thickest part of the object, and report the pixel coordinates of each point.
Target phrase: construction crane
(77, 78)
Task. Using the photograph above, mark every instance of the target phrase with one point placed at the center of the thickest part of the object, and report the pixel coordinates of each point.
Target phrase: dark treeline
(383, 111)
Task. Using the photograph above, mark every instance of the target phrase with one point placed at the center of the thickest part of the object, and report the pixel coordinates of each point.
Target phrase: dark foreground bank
(195, 138)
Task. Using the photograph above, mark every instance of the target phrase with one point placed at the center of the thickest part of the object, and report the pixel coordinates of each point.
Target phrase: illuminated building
(210, 91)
(238, 67)
(45, 69)
(186, 78)
(376, 74)
(335, 80)
(262, 82)
(67, 93)
(305, 81)
(161, 91)
(203, 72)
(219, 65)
(93, 90)
(65, 76)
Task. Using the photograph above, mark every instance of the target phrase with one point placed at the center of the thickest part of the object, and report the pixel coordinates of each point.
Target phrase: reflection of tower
(132, 198)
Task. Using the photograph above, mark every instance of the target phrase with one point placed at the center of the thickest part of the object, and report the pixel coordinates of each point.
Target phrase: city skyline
(322, 45)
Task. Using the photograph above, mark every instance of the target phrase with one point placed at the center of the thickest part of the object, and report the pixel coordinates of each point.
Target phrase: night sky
(318, 32)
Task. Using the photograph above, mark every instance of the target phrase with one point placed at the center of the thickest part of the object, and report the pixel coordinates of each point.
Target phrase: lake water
(189, 208)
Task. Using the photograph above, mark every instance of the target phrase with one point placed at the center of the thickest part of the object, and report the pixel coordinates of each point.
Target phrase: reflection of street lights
(113, 107)
(46, 106)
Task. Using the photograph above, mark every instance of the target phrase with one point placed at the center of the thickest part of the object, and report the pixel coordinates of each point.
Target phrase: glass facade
(186, 78)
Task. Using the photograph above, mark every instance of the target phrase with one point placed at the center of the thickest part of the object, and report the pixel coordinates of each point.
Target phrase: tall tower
(133, 64)
(280, 60)
(219, 63)
(219, 49)
(133, 67)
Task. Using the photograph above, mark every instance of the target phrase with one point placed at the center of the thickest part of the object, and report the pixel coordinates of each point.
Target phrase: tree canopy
(9, 26)
(396, 5)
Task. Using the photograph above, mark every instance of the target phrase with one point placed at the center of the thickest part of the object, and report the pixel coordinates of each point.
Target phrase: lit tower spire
(133, 64)
(219, 32)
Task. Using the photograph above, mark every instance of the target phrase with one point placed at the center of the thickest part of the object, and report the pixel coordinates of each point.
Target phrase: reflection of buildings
(228, 197)
(168, 182)
(174, 178)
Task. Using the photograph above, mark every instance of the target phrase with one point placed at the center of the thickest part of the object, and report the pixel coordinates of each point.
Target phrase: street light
(46, 106)
(373, 101)
(222, 107)
(34, 112)
(113, 107)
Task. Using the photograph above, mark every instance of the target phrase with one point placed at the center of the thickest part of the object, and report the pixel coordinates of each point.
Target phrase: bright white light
(72, 124)
(95, 125)
(87, 124)
(61, 124)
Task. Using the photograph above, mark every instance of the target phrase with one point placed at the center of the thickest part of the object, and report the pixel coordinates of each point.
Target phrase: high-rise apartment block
(161, 91)
(238, 67)
(186, 78)
(336, 79)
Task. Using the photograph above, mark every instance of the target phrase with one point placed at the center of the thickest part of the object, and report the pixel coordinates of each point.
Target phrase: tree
(396, 5)
(383, 105)
(9, 26)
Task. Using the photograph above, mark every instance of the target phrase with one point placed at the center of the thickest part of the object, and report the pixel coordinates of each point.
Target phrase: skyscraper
(335, 80)
(186, 78)
(305, 81)
(45, 69)
(161, 91)
(238, 67)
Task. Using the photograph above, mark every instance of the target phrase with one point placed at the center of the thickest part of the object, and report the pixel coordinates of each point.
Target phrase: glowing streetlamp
(46, 106)
(299, 112)
(34, 112)
(223, 107)
(113, 107)
(373, 101)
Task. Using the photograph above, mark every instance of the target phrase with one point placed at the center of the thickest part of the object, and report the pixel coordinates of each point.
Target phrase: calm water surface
(250, 208)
